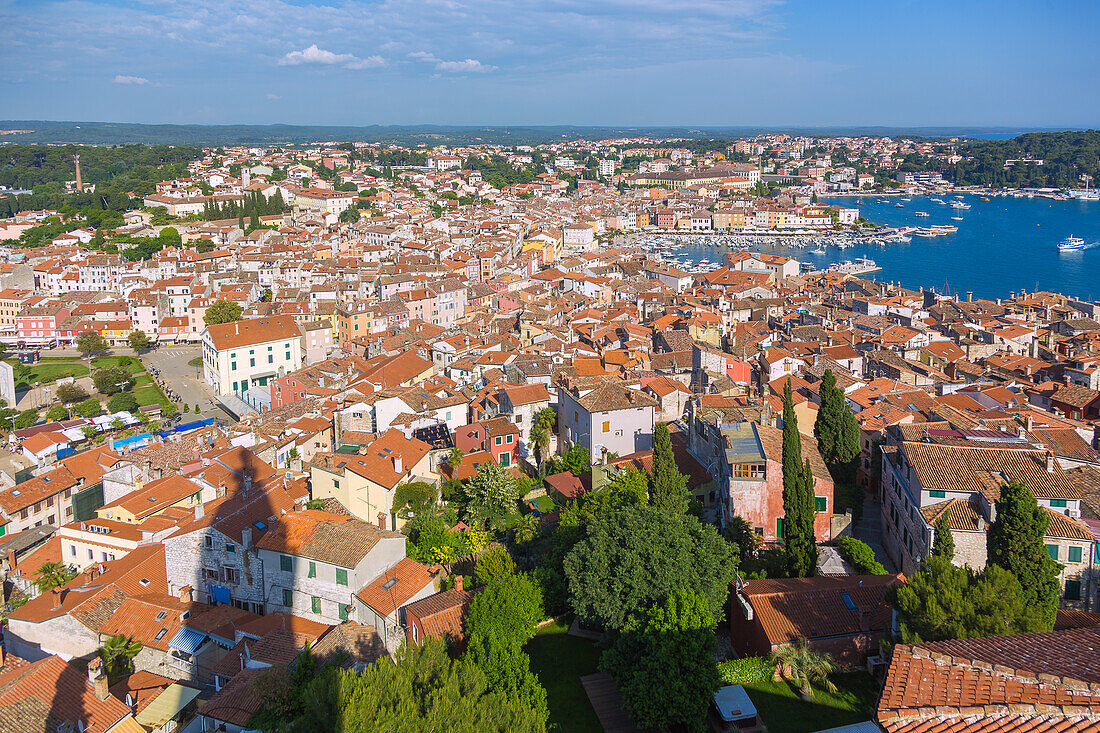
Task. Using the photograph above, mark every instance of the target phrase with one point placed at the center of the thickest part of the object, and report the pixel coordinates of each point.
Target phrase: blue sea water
(1003, 245)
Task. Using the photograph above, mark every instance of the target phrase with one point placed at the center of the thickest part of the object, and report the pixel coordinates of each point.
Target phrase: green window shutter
(1074, 554)
(779, 528)
(312, 569)
(937, 494)
(343, 612)
(1052, 550)
(1073, 590)
(286, 564)
(1058, 503)
(288, 597)
(821, 503)
(341, 576)
(316, 604)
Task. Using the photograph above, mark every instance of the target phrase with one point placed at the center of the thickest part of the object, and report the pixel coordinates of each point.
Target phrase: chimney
(98, 678)
(199, 512)
(12, 562)
(198, 455)
(1029, 423)
(398, 465)
(246, 538)
(56, 598)
(79, 180)
(157, 473)
(969, 296)
(381, 520)
(1050, 461)
(458, 582)
(865, 618)
(187, 594)
(246, 482)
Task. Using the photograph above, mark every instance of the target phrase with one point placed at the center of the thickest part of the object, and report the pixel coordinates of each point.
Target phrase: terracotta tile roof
(326, 537)
(359, 641)
(615, 396)
(277, 648)
(392, 589)
(441, 615)
(1023, 682)
(812, 608)
(237, 701)
(376, 463)
(143, 688)
(957, 468)
(145, 618)
(93, 599)
(42, 695)
(252, 331)
(36, 489)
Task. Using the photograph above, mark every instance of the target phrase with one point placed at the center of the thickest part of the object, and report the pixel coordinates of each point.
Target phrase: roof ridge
(1001, 670)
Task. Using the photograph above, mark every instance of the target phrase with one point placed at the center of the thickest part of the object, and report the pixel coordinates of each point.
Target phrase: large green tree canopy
(639, 555)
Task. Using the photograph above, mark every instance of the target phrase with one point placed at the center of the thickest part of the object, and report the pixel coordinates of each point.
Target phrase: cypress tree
(1016, 543)
(836, 430)
(798, 496)
(943, 543)
(667, 486)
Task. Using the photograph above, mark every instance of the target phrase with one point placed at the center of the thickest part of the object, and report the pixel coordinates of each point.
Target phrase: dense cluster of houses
(368, 350)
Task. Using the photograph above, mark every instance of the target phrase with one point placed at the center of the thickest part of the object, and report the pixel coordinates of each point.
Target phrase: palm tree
(802, 666)
(526, 528)
(540, 438)
(53, 575)
(118, 654)
(454, 457)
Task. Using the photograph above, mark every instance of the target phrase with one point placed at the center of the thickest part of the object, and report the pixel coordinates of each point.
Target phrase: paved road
(175, 371)
(186, 380)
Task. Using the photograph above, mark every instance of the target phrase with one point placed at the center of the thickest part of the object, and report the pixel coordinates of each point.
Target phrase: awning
(167, 705)
(187, 640)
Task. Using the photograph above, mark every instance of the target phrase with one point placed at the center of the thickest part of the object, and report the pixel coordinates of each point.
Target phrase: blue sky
(508, 62)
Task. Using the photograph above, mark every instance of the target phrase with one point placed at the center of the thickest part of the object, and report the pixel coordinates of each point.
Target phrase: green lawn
(146, 392)
(47, 372)
(781, 708)
(134, 366)
(560, 661)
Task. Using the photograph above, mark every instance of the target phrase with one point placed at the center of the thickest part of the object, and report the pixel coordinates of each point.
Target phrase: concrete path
(607, 701)
(869, 530)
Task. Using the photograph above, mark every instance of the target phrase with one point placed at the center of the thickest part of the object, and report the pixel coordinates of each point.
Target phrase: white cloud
(127, 79)
(315, 55)
(423, 56)
(464, 67)
(273, 96)
(370, 62)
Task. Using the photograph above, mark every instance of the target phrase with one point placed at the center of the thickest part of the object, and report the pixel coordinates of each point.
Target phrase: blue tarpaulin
(187, 640)
(186, 427)
(220, 594)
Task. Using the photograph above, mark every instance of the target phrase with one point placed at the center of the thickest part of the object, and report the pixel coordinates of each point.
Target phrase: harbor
(995, 244)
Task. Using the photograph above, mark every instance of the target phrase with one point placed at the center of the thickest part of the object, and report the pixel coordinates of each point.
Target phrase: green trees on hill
(798, 496)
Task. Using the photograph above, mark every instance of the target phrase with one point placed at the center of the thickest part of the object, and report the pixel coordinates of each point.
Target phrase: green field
(146, 392)
(560, 661)
(781, 708)
(46, 372)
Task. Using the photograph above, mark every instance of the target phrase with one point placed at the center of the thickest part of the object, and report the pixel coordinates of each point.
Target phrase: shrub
(861, 557)
(746, 671)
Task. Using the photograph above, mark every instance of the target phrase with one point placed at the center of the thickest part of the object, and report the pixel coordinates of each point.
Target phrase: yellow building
(365, 483)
